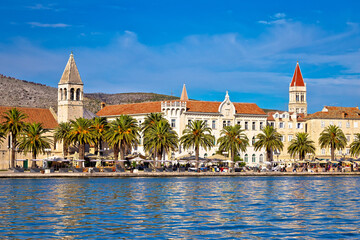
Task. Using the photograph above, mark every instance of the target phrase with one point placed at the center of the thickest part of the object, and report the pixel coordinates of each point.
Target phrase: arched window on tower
(61, 94)
(297, 97)
(302, 98)
(78, 94)
(72, 94)
(65, 94)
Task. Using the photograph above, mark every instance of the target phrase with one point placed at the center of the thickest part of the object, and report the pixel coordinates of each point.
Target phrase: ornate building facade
(215, 114)
(346, 118)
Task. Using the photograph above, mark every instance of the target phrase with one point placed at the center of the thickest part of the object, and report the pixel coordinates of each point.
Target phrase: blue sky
(249, 48)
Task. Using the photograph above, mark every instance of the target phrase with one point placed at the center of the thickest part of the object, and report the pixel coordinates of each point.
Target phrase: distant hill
(15, 92)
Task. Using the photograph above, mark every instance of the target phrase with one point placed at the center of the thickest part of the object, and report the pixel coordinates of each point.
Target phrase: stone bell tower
(297, 93)
(70, 93)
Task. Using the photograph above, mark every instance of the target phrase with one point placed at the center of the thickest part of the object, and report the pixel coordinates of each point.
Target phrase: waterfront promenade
(10, 174)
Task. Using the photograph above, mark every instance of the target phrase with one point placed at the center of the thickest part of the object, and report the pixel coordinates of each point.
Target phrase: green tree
(196, 135)
(33, 140)
(301, 145)
(62, 134)
(334, 138)
(355, 146)
(80, 134)
(151, 120)
(269, 139)
(13, 124)
(160, 138)
(233, 140)
(2, 134)
(123, 133)
(99, 128)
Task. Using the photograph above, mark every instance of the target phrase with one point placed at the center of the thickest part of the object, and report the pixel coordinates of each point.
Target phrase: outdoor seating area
(133, 164)
(187, 164)
(318, 165)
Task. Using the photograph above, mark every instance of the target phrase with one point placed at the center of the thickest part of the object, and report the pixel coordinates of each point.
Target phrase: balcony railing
(173, 104)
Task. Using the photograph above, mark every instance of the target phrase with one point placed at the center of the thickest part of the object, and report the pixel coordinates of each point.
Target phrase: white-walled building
(217, 114)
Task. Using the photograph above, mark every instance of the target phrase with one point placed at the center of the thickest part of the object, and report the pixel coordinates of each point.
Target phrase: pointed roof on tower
(297, 80)
(184, 96)
(71, 73)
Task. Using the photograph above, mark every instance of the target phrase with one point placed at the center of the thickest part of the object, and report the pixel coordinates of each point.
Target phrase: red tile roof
(336, 113)
(297, 80)
(270, 117)
(192, 106)
(38, 115)
(248, 108)
(132, 108)
(300, 116)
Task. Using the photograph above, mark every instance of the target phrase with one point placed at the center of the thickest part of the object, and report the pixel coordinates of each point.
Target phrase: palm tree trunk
(65, 148)
(12, 157)
(98, 148)
(33, 164)
(81, 151)
(268, 155)
(122, 155)
(116, 151)
(197, 157)
(332, 154)
(155, 157)
(158, 158)
(232, 164)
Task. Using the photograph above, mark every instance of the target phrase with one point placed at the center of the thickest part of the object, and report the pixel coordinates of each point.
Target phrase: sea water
(323, 207)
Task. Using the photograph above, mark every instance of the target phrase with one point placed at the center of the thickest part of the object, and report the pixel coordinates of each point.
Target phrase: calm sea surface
(181, 208)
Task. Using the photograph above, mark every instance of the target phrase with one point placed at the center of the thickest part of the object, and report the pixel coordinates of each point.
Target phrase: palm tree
(62, 134)
(301, 145)
(2, 134)
(13, 124)
(196, 135)
(269, 139)
(160, 138)
(80, 134)
(151, 120)
(332, 137)
(233, 140)
(99, 128)
(355, 146)
(123, 133)
(33, 140)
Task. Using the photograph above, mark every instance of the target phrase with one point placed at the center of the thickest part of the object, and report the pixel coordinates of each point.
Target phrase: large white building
(217, 114)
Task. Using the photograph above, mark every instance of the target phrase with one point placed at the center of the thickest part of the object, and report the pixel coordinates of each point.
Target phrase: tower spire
(70, 93)
(71, 72)
(297, 93)
(297, 80)
(184, 95)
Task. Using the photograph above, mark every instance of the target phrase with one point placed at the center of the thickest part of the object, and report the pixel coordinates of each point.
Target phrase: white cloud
(48, 25)
(277, 18)
(40, 7)
(262, 65)
(263, 22)
(279, 15)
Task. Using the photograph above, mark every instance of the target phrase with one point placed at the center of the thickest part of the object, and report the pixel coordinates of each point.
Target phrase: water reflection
(182, 208)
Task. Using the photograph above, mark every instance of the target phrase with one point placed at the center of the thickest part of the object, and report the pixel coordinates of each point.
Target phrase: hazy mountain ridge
(21, 93)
